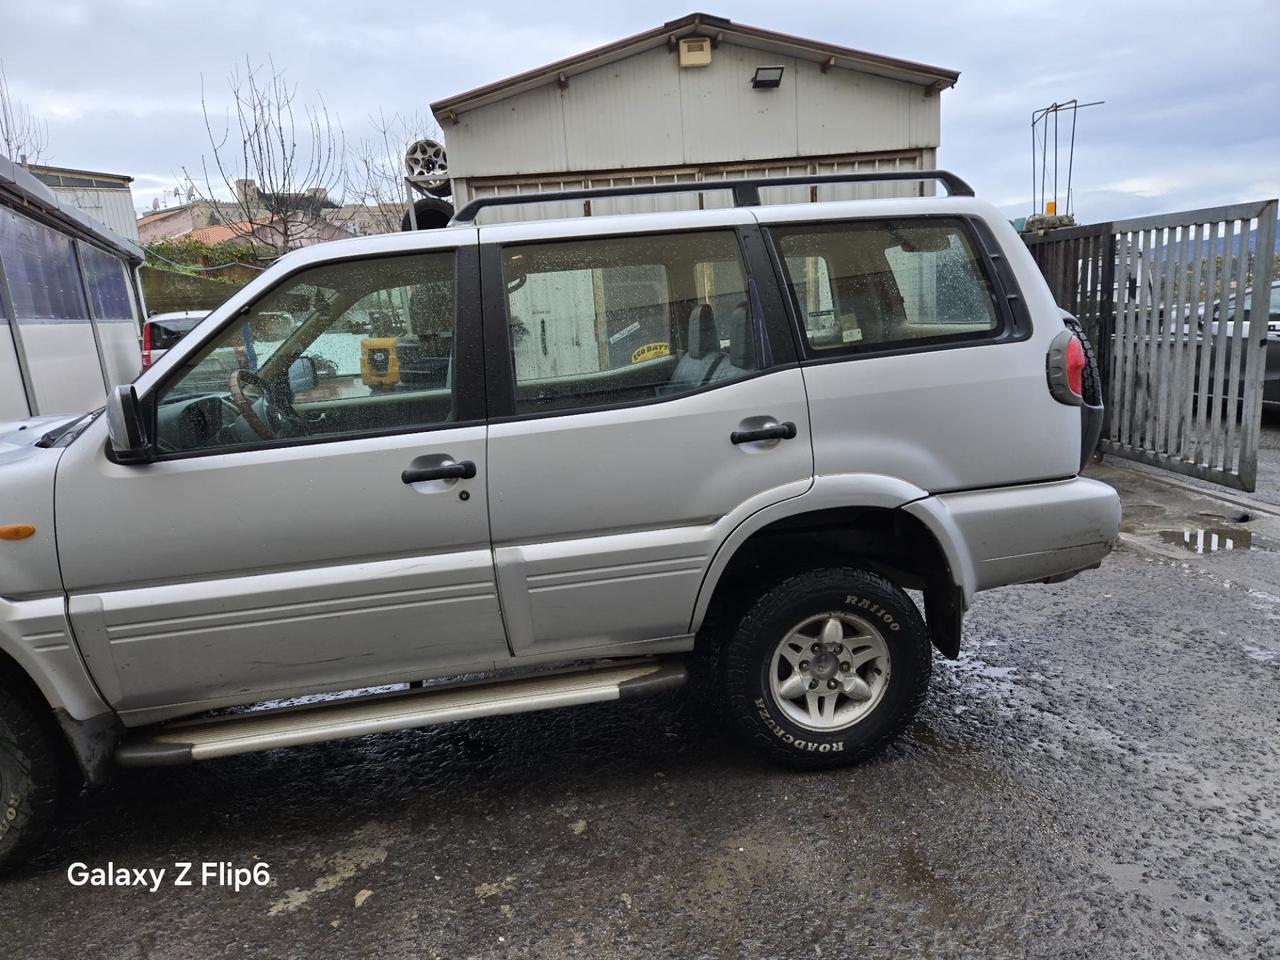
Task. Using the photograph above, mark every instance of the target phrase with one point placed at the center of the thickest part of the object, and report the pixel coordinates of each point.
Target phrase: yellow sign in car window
(651, 350)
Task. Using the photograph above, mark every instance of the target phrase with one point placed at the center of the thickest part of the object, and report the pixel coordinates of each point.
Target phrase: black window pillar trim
(499, 378)
(766, 269)
(469, 387)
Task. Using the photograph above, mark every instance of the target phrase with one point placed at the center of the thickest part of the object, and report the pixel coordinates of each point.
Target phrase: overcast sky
(1192, 114)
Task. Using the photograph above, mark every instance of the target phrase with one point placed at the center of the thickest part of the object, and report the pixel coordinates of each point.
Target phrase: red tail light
(1065, 367)
(1075, 366)
(146, 345)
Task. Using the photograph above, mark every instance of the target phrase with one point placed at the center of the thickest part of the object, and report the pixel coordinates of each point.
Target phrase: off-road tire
(33, 777)
(746, 658)
(432, 213)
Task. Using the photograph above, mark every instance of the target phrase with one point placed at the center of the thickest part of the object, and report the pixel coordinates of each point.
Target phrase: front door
(275, 543)
(644, 404)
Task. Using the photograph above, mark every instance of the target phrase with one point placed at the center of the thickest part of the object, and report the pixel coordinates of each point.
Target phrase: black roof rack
(746, 192)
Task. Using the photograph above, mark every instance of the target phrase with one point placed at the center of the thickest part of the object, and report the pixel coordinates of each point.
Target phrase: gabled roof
(719, 29)
(50, 174)
(152, 216)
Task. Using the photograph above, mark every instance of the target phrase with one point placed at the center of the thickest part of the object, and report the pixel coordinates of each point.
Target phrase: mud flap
(944, 615)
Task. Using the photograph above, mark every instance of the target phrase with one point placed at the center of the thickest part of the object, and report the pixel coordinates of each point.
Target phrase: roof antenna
(1041, 120)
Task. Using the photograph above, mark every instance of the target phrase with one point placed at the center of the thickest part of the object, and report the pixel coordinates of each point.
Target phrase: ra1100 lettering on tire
(826, 667)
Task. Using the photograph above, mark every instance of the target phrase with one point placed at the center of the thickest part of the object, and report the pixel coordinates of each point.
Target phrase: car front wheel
(32, 777)
(827, 667)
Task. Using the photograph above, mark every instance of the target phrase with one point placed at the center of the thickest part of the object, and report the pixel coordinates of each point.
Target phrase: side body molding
(36, 634)
(843, 490)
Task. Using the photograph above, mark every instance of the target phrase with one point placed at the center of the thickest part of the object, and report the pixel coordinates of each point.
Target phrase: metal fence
(1079, 264)
(1163, 299)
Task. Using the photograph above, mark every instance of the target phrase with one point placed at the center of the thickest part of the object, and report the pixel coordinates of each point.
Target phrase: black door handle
(783, 431)
(448, 471)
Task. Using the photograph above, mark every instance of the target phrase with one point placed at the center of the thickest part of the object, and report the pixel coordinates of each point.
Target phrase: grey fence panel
(1218, 354)
(1163, 299)
(1255, 362)
(1186, 380)
(1200, 447)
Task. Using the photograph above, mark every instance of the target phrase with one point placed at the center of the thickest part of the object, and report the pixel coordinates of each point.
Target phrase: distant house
(169, 222)
(297, 229)
(107, 197)
(301, 219)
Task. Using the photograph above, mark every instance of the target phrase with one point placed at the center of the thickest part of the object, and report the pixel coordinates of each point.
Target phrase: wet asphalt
(1097, 777)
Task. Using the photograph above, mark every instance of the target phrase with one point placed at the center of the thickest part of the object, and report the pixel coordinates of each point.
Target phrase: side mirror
(125, 426)
(303, 375)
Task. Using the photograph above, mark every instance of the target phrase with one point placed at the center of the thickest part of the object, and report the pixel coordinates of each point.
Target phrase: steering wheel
(269, 418)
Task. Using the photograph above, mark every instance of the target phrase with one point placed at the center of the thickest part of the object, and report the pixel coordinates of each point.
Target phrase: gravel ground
(1097, 777)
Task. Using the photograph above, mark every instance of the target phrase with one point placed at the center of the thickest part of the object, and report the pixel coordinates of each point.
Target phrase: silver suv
(582, 458)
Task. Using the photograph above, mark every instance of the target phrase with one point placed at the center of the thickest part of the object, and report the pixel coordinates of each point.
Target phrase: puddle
(1209, 539)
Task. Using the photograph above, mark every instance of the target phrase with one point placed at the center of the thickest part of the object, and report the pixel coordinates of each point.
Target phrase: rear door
(919, 355)
(234, 566)
(623, 368)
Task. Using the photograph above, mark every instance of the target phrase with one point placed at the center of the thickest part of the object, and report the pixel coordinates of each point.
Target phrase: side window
(813, 292)
(884, 283)
(626, 319)
(343, 349)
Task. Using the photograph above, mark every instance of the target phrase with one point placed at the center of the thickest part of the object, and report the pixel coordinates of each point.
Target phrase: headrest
(704, 338)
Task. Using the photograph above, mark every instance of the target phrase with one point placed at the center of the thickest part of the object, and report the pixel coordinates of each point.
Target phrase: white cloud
(1189, 99)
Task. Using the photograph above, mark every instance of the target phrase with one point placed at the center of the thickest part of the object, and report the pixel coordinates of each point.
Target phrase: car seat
(699, 362)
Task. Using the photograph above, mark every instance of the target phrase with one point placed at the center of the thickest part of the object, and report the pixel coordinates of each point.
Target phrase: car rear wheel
(826, 667)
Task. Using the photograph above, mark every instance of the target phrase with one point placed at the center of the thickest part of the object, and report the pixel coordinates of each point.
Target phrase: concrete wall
(166, 291)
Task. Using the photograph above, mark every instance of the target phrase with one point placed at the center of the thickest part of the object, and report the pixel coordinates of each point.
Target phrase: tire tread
(736, 665)
(35, 753)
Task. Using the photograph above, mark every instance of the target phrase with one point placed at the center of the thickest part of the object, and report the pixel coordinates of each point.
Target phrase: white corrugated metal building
(683, 102)
(107, 197)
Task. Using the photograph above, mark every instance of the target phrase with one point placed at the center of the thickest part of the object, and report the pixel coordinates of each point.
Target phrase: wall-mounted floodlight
(767, 78)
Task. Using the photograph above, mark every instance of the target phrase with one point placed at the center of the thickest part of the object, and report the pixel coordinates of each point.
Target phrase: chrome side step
(187, 741)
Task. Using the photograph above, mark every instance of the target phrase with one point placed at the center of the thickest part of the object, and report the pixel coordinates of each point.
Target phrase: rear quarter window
(867, 285)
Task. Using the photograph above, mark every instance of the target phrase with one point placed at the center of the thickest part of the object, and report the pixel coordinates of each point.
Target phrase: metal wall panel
(725, 120)
(646, 112)
(112, 207)
(521, 134)
(625, 114)
(465, 190)
(845, 112)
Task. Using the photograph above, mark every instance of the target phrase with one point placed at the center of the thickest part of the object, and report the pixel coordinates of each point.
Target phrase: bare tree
(375, 168)
(23, 137)
(280, 162)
